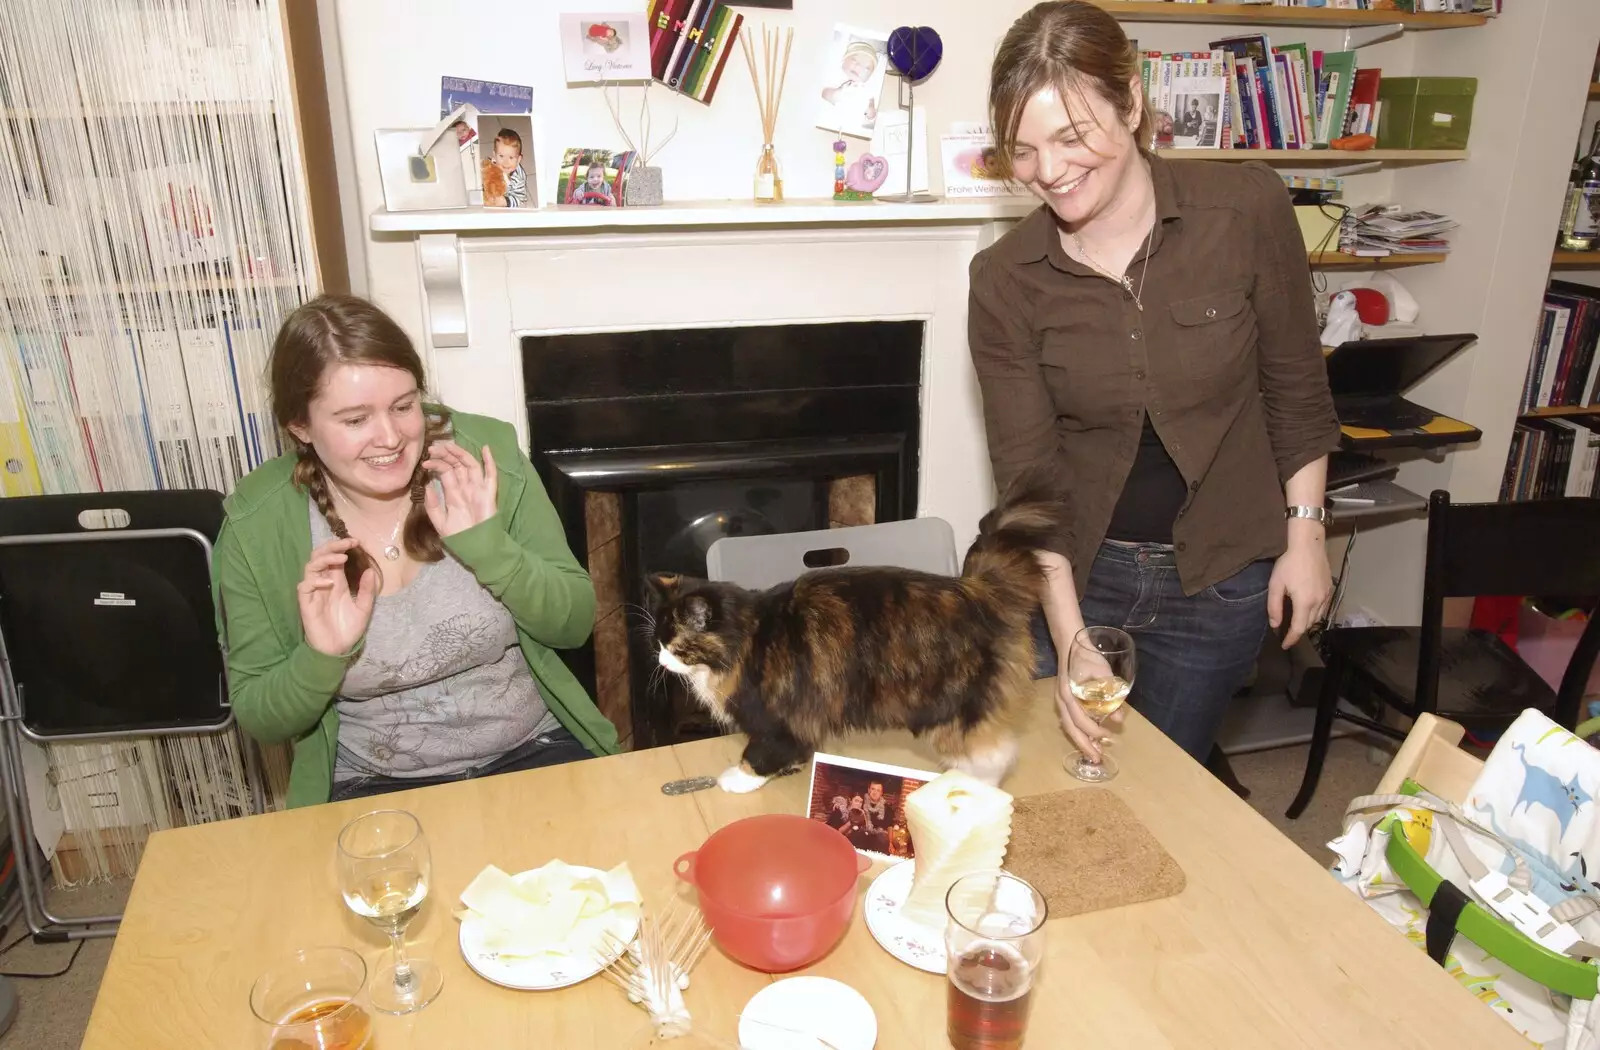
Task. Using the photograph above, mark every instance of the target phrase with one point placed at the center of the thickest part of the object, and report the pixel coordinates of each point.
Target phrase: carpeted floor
(54, 1012)
(1273, 777)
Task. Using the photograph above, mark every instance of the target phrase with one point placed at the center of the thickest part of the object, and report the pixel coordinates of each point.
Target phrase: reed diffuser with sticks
(769, 179)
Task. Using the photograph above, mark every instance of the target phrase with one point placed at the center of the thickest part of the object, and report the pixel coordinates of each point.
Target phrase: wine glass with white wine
(384, 874)
(1100, 673)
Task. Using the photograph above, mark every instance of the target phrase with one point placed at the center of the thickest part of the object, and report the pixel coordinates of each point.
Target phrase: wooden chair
(1431, 756)
(1469, 676)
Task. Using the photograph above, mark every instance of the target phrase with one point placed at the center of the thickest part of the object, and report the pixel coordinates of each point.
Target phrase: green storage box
(1425, 112)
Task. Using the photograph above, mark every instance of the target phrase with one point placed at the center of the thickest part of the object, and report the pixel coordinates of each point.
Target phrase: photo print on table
(853, 68)
(865, 802)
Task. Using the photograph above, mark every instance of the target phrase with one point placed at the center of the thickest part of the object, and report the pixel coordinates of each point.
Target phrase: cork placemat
(1084, 850)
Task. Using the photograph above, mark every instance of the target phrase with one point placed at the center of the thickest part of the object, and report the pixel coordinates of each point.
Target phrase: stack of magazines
(1387, 229)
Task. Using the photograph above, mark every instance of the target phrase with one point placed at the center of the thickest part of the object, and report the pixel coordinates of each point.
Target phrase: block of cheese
(959, 825)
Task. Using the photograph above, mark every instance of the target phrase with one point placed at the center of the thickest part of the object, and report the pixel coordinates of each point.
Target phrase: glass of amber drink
(994, 939)
(314, 999)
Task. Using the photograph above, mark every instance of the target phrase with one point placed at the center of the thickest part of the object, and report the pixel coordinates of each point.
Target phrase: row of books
(1564, 368)
(1550, 458)
(162, 408)
(1244, 93)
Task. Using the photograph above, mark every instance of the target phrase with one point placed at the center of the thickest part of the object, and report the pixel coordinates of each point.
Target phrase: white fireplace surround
(490, 278)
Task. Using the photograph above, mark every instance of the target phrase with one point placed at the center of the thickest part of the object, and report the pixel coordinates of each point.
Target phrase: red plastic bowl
(777, 890)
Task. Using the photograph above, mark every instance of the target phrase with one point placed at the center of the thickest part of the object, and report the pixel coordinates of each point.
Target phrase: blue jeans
(1192, 653)
(547, 749)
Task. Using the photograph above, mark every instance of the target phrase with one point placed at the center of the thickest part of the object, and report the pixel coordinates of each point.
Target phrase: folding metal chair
(106, 632)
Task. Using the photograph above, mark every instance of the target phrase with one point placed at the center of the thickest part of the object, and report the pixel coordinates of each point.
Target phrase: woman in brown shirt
(1148, 340)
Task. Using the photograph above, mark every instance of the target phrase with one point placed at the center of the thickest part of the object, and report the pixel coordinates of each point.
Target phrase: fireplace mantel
(439, 232)
(819, 211)
(493, 276)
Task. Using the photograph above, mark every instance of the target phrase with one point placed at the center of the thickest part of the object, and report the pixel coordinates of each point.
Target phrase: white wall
(393, 55)
(395, 52)
(1532, 64)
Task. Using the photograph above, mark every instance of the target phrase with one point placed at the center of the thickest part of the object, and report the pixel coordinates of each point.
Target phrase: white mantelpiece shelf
(440, 233)
(723, 214)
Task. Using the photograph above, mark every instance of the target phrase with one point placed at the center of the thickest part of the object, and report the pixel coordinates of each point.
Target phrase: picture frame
(872, 817)
(593, 177)
(421, 168)
(505, 141)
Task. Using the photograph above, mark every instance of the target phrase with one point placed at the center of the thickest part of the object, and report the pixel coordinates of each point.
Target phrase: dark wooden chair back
(1534, 547)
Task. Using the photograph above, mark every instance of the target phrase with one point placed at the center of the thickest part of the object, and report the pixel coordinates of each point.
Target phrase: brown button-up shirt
(1224, 357)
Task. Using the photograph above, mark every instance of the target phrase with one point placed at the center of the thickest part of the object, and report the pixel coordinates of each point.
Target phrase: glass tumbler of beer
(994, 940)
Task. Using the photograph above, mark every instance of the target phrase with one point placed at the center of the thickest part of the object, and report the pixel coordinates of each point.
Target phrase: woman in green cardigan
(391, 592)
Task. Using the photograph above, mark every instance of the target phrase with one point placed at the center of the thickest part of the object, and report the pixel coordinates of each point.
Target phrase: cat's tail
(1002, 557)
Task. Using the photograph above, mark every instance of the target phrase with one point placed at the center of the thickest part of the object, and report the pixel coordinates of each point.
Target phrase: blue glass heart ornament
(915, 51)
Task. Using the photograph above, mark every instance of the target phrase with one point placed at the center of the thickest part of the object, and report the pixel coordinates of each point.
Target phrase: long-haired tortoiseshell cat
(949, 658)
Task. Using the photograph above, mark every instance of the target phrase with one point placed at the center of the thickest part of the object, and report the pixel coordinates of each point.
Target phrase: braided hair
(345, 329)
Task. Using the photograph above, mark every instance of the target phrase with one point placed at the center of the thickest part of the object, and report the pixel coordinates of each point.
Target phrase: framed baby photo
(853, 67)
(505, 160)
(865, 802)
(593, 177)
(605, 47)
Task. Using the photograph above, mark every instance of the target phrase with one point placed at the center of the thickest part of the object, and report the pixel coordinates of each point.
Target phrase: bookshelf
(1551, 451)
(1270, 16)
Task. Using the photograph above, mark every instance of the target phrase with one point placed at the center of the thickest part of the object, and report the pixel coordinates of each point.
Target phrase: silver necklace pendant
(391, 552)
(1127, 284)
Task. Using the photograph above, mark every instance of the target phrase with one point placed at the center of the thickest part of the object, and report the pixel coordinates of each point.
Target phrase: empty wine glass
(384, 873)
(1100, 670)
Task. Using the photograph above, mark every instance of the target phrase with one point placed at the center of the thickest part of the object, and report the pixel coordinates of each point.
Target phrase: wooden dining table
(1261, 949)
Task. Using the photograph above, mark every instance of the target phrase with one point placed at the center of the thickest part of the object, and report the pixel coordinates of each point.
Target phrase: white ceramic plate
(792, 1014)
(540, 974)
(911, 942)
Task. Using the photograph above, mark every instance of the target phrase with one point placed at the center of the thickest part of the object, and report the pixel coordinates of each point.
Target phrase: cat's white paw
(990, 765)
(738, 780)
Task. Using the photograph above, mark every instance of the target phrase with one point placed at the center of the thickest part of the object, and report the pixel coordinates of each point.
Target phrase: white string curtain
(153, 235)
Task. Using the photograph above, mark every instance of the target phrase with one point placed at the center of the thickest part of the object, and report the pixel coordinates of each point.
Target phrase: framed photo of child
(592, 177)
(865, 802)
(505, 150)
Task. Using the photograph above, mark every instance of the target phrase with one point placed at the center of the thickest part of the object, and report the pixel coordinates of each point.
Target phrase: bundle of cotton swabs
(654, 970)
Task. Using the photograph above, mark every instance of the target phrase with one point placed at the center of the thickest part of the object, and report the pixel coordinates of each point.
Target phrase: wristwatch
(1317, 514)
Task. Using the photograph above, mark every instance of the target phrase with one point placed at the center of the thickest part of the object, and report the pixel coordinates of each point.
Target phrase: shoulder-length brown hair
(344, 329)
(1068, 45)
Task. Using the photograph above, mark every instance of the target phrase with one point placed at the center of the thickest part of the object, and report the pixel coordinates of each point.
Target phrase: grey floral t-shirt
(440, 686)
